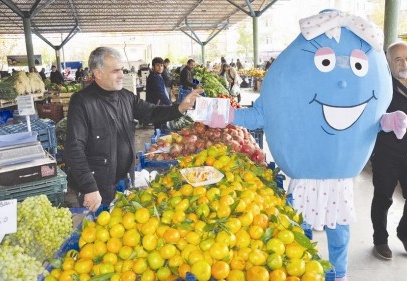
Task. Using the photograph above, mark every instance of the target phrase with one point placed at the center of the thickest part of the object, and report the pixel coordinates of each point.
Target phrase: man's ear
(97, 73)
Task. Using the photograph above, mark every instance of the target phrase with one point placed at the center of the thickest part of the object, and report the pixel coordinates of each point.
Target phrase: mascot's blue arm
(252, 117)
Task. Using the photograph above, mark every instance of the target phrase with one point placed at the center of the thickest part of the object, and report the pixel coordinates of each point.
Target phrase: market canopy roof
(71, 16)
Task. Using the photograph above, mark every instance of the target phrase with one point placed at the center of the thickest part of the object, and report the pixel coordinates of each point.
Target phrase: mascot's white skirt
(324, 202)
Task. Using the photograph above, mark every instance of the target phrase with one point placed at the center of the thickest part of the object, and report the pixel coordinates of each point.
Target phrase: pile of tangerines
(239, 228)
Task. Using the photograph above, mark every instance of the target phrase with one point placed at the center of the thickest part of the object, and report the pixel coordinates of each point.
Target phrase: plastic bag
(235, 91)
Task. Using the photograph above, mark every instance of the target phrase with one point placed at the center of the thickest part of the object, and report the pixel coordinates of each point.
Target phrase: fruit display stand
(198, 136)
(41, 230)
(202, 226)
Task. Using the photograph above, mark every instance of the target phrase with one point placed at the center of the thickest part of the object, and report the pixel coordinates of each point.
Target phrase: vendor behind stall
(99, 147)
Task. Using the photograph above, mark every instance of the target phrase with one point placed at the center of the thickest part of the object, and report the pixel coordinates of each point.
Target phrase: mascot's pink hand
(218, 121)
(396, 122)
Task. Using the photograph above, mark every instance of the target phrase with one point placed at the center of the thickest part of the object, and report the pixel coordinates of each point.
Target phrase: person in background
(79, 74)
(56, 76)
(42, 74)
(268, 63)
(239, 65)
(389, 159)
(222, 62)
(167, 76)
(233, 80)
(100, 145)
(86, 72)
(156, 91)
(33, 69)
(186, 76)
(223, 74)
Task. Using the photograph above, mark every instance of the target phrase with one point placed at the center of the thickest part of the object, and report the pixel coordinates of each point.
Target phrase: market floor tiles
(363, 264)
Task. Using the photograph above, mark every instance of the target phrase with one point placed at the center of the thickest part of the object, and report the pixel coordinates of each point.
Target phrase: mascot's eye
(325, 59)
(359, 63)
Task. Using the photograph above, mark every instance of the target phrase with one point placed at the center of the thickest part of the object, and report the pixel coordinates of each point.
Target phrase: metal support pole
(29, 42)
(255, 41)
(391, 17)
(203, 53)
(63, 56)
(57, 55)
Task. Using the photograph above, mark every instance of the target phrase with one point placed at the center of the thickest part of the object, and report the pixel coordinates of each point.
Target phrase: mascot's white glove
(218, 121)
(396, 122)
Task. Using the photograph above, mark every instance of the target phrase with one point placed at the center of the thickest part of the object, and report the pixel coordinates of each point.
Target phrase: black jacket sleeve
(167, 78)
(151, 113)
(75, 146)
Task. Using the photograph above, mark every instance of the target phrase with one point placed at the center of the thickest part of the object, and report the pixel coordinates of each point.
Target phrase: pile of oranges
(254, 72)
(237, 229)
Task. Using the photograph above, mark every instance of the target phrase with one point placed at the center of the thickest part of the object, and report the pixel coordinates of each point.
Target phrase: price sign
(8, 217)
(25, 105)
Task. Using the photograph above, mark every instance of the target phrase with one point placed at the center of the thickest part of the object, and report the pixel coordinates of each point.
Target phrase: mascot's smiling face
(323, 101)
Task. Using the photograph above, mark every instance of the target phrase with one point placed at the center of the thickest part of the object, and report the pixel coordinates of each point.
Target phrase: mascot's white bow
(330, 23)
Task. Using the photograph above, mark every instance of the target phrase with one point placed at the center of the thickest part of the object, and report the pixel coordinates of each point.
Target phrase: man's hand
(396, 122)
(189, 101)
(92, 201)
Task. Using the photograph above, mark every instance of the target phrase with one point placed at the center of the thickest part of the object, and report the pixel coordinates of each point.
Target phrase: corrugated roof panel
(125, 15)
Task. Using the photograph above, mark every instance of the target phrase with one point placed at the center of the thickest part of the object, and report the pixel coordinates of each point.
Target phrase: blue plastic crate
(258, 136)
(280, 178)
(182, 94)
(5, 114)
(45, 129)
(154, 165)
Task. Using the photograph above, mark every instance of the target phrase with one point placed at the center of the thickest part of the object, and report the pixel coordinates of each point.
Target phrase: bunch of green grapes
(41, 228)
(17, 265)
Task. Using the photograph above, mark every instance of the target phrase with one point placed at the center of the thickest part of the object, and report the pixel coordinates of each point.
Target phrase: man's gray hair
(96, 58)
(392, 47)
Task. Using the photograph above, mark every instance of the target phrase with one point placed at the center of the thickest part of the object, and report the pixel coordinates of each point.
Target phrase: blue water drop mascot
(321, 105)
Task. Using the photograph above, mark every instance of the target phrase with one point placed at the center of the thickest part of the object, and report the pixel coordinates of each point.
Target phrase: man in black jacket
(389, 159)
(186, 76)
(167, 76)
(56, 76)
(156, 91)
(100, 135)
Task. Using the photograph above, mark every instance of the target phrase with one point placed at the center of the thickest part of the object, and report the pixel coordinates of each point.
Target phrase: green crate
(54, 188)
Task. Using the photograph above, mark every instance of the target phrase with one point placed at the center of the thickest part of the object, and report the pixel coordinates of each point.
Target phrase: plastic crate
(154, 165)
(182, 94)
(54, 188)
(258, 136)
(45, 129)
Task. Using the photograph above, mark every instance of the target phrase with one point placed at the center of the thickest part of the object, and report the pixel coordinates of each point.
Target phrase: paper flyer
(207, 109)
